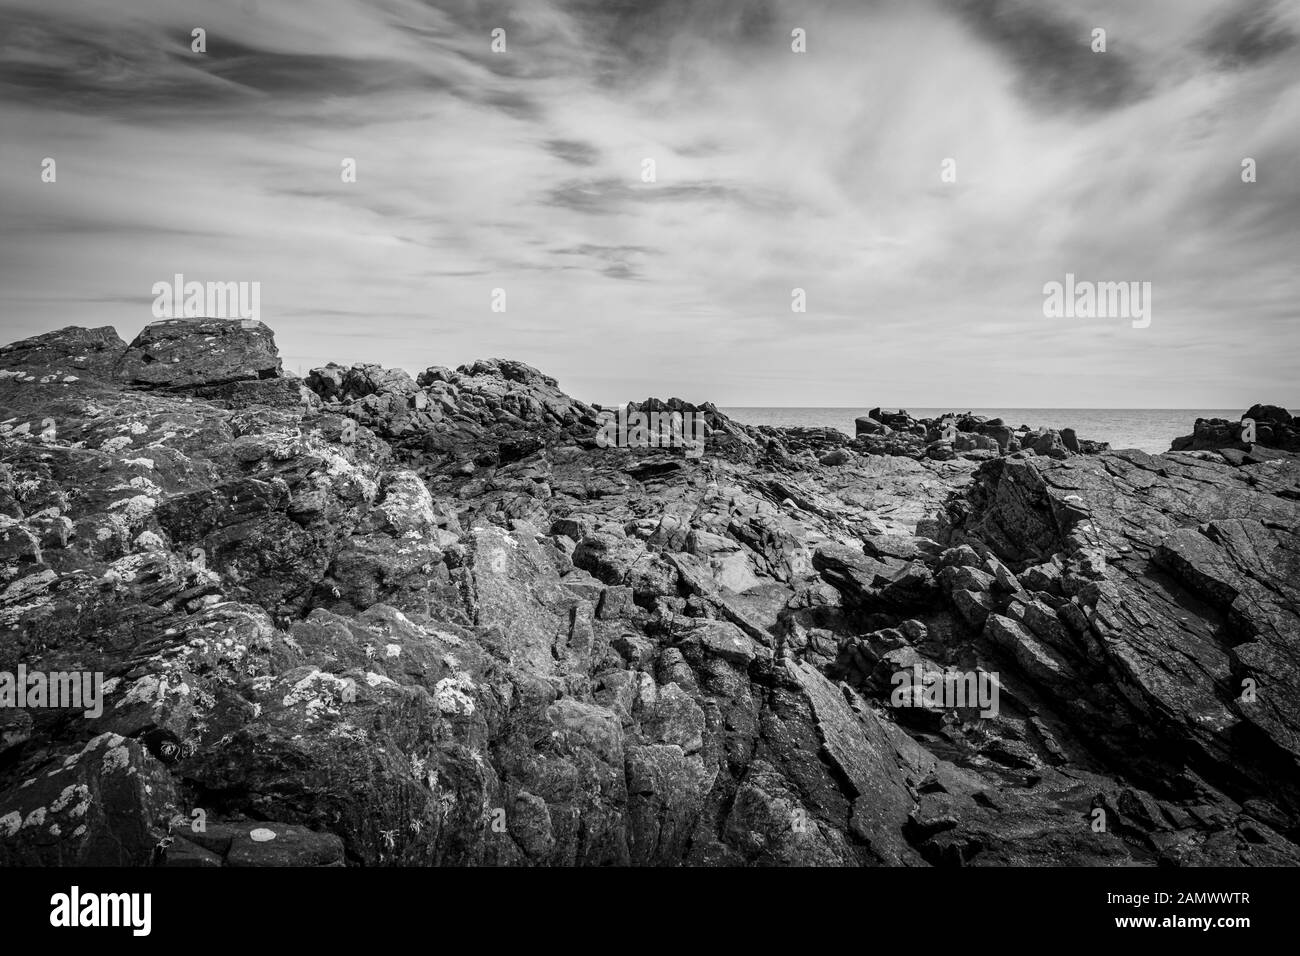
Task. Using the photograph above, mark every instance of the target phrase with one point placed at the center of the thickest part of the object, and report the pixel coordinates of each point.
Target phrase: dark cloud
(56, 64)
(312, 75)
(609, 195)
(638, 35)
(577, 152)
(1249, 34)
(603, 252)
(620, 270)
(68, 225)
(593, 196)
(701, 149)
(1053, 55)
(613, 261)
(82, 68)
(521, 106)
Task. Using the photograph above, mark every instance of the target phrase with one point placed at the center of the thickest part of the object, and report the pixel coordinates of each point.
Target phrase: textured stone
(433, 622)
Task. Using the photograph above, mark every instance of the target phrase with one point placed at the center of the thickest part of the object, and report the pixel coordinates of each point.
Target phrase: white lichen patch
(141, 484)
(77, 792)
(146, 463)
(318, 691)
(31, 589)
(35, 818)
(149, 541)
(29, 585)
(374, 680)
(448, 638)
(128, 568)
(136, 509)
(346, 731)
(407, 504)
(116, 443)
(117, 758)
(107, 736)
(419, 767)
(10, 823)
(344, 473)
(146, 690)
(451, 694)
(393, 650)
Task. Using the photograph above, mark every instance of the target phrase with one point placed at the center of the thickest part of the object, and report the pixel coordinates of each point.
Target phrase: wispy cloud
(774, 170)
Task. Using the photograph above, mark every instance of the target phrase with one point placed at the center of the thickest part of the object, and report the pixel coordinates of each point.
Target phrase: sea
(1148, 429)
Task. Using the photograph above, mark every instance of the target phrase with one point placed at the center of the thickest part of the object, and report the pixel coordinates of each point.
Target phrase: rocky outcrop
(65, 356)
(179, 354)
(963, 435)
(370, 619)
(1253, 438)
(486, 413)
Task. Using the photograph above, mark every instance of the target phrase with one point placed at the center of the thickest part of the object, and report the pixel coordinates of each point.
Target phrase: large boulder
(69, 353)
(1273, 426)
(178, 354)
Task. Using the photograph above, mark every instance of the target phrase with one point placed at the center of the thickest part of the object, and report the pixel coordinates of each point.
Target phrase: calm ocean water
(1150, 429)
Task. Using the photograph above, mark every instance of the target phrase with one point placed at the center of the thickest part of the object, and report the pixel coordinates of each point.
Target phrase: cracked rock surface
(365, 619)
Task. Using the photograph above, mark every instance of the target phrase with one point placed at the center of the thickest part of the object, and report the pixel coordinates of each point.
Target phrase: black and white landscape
(292, 573)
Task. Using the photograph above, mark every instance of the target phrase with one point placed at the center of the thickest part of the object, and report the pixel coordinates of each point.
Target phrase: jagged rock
(1036, 659)
(837, 457)
(107, 803)
(188, 353)
(434, 622)
(71, 353)
(1274, 427)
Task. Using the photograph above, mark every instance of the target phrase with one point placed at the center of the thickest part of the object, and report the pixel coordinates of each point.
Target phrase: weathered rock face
(966, 436)
(369, 619)
(1273, 428)
(67, 355)
(190, 353)
(488, 413)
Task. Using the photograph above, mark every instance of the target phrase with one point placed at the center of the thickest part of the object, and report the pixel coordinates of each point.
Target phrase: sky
(774, 170)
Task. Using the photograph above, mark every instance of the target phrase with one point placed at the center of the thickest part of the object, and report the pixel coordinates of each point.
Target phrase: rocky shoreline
(365, 619)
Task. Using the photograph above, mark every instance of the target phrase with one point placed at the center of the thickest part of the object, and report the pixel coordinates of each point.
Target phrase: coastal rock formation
(1260, 430)
(178, 354)
(963, 435)
(363, 619)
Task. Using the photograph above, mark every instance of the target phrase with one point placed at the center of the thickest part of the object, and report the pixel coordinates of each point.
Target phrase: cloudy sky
(775, 170)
